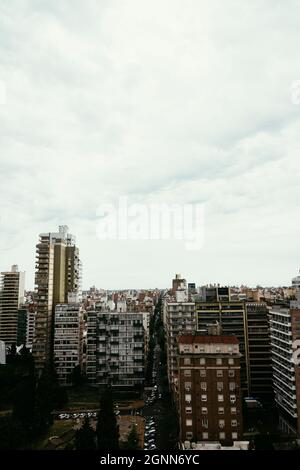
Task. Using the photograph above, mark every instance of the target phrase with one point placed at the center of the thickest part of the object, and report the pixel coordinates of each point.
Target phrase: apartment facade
(259, 351)
(249, 322)
(68, 340)
(53, 271)
(12, 285)
(285, 347)
(115, 349)
(210, 406)
(179, 317)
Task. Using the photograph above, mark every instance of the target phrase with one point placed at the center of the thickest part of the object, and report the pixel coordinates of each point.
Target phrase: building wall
(11, 296)
(179, 318)
(209, 391)
(282, 355)
(232, 316)
(118, 341)
(68, 340)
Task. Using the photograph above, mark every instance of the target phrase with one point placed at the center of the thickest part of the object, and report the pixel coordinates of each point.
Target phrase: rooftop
(207, 339)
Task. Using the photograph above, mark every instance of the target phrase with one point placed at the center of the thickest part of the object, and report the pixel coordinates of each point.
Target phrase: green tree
(23, 402)
(85, 438)
(132, 442)
(107, 428)
(49, 396)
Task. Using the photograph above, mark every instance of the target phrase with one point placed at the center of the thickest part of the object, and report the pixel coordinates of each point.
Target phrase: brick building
(210, 407)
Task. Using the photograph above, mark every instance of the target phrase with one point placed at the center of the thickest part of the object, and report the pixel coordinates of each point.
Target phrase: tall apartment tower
(249, 322)
(115, 349)
(12, 285)
(58, 272)
(68, 340)
(285, 344)
(210, 407)
(179, 318)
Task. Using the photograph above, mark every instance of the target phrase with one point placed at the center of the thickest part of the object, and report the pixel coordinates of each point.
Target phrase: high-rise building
(285, 348)
(115, 349)
(12, 284)
(209, 390)
(58, 269)
(249, 322)
(68, 340)
(259, 351)
(22, 325)
(179, 317)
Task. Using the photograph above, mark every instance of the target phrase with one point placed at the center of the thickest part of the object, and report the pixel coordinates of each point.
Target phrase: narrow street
(161, 410)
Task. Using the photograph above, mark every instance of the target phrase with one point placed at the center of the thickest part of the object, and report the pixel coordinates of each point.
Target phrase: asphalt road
(162, 411)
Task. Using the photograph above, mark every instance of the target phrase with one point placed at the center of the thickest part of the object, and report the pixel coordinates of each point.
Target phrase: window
(233, 410)
(221, 410)
(203, 397)
(232, 399)
(202, 360)
(189, 422)
(218, 349)
(187, 361)
(219, 373)
(187, 373)
(188, 410)
(231, 386)
(188, 385)
(204, 410)
(231, 373)
(202, 373)
(205, 435)
(220, 398)
(220, 386)
(203, 386)
(230, 361)
(189, 435)
(221, 423)
(234, 435)
(219, 361)
(221, 435)
(234, 423)
(188, 398)
(205, 423)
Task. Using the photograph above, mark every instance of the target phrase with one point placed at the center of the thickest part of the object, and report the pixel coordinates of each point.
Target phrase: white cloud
(164, 101)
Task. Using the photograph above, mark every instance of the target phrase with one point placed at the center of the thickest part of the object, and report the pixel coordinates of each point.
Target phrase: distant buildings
(11, 297)
(68, 340)
(210, 407)
(58, 273)
(115, 349)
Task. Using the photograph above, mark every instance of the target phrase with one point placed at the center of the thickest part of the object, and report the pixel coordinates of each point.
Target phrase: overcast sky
(169, 101)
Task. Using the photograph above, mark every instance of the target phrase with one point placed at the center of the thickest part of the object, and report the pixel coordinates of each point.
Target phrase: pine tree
(107, 428)
(85, 438)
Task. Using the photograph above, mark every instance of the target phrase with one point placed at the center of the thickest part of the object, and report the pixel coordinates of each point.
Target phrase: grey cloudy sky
(162, 100)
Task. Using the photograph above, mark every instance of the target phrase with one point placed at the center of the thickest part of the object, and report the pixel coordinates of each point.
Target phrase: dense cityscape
(186, 367)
